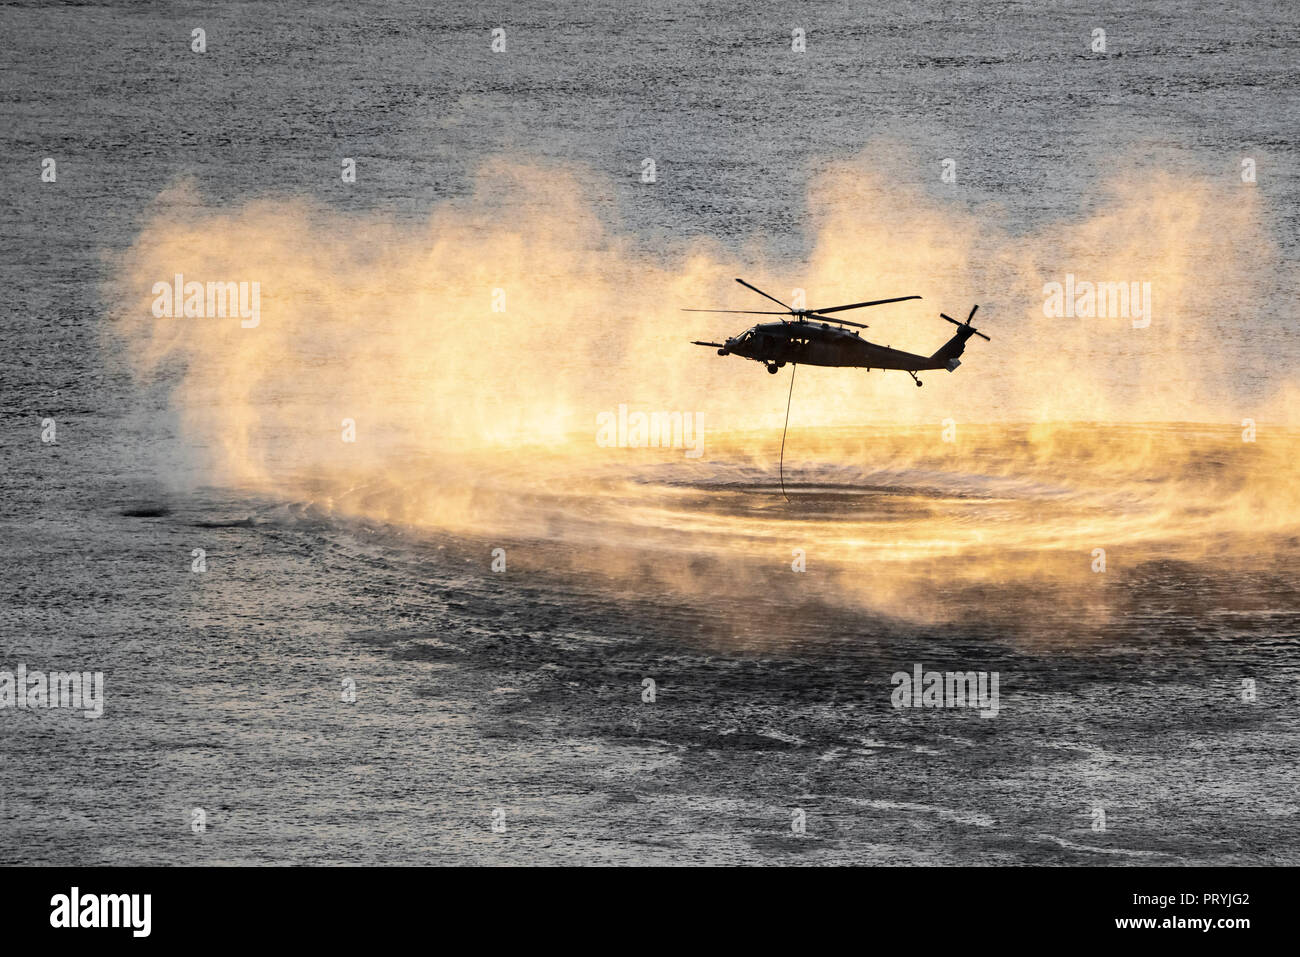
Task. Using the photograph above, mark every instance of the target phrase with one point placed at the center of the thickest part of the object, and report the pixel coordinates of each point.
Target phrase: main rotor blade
(747, 312)
(860, 305)
(841, 322)
(972, 313)
(761, 293)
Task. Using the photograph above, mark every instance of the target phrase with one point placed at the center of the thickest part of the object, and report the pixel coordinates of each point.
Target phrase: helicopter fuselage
(812, 337)
(821, 344)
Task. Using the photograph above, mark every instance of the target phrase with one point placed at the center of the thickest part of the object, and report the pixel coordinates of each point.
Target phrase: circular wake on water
(1030, 530)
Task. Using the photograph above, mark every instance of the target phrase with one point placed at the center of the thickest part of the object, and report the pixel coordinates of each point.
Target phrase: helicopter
(812, 337)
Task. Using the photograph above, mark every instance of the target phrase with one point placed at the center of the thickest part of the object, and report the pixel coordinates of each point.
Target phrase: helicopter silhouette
(812, 337)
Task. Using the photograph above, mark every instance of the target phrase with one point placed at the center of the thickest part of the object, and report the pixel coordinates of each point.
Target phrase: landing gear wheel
(913, 375)
(772, 369)
(918, 383)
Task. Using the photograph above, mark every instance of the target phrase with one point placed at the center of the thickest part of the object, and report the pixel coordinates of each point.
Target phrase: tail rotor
(966, 324)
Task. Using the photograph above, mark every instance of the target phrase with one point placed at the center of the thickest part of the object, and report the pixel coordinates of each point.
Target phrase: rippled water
(521, 690)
